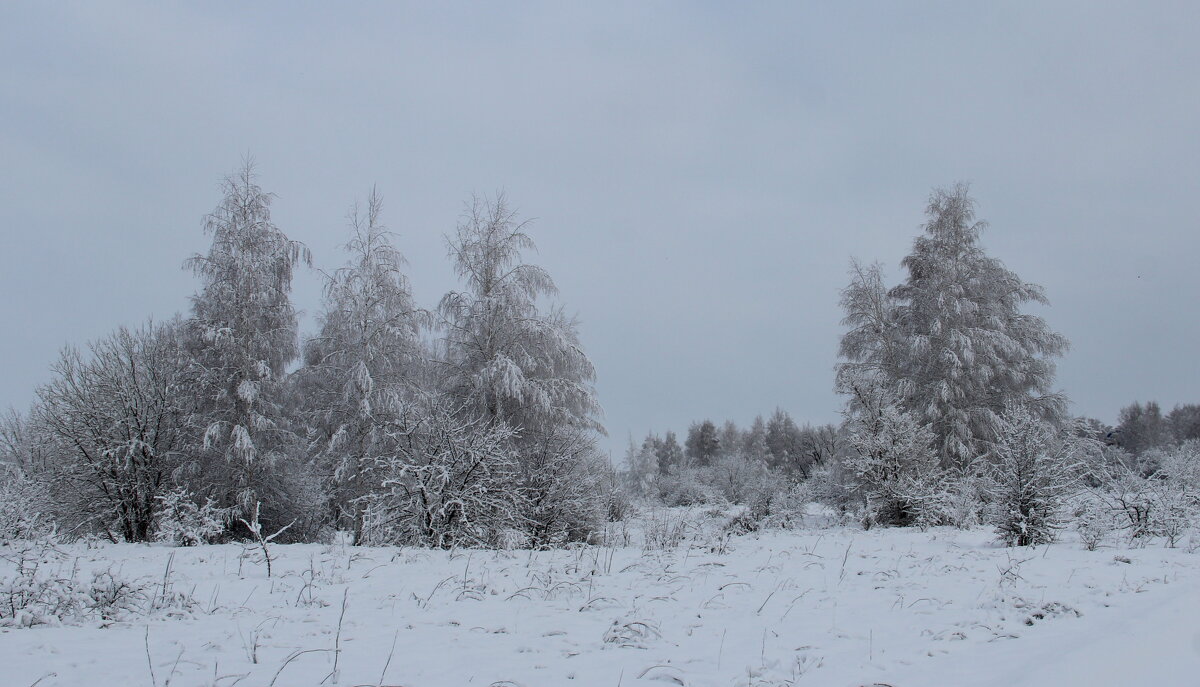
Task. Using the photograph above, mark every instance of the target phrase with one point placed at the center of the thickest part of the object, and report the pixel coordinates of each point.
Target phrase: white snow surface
(836, 606)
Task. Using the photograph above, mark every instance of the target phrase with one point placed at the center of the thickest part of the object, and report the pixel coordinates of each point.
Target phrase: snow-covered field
(836, 606)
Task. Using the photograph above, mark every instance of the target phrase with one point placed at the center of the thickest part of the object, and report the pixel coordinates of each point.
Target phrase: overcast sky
(700, 173)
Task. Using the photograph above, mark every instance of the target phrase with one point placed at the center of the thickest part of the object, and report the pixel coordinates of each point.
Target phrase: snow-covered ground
(836, 606)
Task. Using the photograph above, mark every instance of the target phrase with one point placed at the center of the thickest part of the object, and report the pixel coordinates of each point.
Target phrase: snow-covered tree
(754, 441)
(729, 440)
(1142, 428)
(117, 419)
(784, 452)
(450, 481)
(363, 364)
(24, 446)
(890, 454)
(963, 350)
(1184, 422)
(871, 341)
(641, 466)
(511, 363)
(1033, 468)
(243, 334)
(515, 362)
(702, 444)
(669, 453)
(818, 445)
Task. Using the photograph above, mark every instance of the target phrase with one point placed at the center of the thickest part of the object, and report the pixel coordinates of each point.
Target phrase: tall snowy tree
(729, 440)
(243, 335)
(754, 441)
(702, 444)
(641, 466)
(1184, 422)
(363, 364)
(1142, 427)
(669, 453)
(784, 449)
(871, 341)
(964, 350)
(517, 363)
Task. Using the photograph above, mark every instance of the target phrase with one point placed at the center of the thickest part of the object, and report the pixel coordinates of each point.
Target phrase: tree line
(468, 424)
(475, 422)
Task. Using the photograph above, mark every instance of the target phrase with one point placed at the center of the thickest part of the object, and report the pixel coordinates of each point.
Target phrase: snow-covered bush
(43, 589)
(780, 505)
(1176, 514)
(450, 483)
(1131, 497)
(685, 487)
(184, 521)
(562, 488)
(112, 597)
(23, 508)
(1033, 470)
(738, 479)
(1093, 519)
(964, 499)
(619, 503)
(891, 456)
(832, 485)
(1164, 504)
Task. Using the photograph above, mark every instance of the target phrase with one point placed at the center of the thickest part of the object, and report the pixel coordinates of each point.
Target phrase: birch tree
(951, 342)
(516, 365)
(963, 350)
(364, 362)
(243, 334)
(515, 362)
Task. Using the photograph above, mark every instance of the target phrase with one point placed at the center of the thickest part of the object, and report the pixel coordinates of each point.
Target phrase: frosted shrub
(1175, 512)
(685, 487)
(29, 600)
(450, 484)
(891, 460)
(184, 523)
(22, 509)
(43, 590)
(1178, 492)
(1131, 497)
(737, 479)
(112, 597)
(832, 485)
(964, 501)
(782, 507)
(1033, 471)
(1165, 504)
(1093, 519)
(563, 489)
